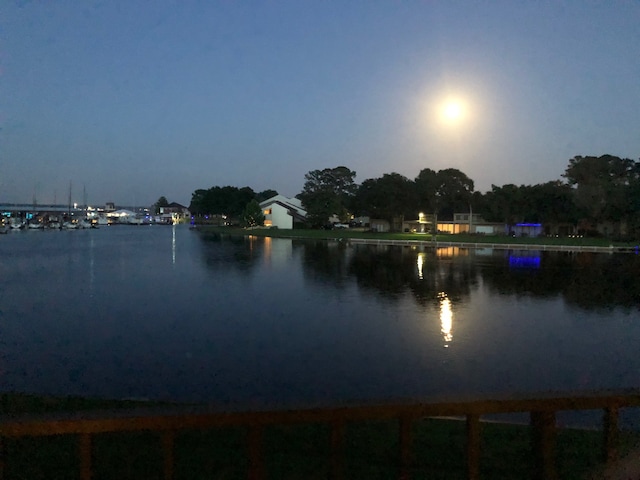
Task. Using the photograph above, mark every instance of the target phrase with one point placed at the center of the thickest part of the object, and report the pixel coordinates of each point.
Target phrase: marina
(73, 217)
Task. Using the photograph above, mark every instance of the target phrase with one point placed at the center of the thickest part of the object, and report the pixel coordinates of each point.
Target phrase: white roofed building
(282, 212)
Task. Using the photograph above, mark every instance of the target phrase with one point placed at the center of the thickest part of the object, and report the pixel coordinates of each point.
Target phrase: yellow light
(420, 262)
(453, 111)
(446, 318)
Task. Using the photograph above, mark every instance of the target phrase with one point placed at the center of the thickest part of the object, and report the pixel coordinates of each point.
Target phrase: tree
(389, 197)
(252, 215)
(162, 202)
(455, 192)
(265, 194)
(443, 193)
(427, 186)
(603, 187)
(503, 204)
(328, 192)
(227, 200)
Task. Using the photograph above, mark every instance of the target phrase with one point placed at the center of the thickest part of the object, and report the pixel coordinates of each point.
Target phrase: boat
(98, 220)
(70, 226)
(16, 224)
(35, 226)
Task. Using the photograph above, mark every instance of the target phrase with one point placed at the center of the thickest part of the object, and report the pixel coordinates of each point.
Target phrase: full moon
(452, 111)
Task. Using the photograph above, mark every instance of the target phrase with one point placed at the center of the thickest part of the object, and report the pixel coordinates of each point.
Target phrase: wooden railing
(167, 422)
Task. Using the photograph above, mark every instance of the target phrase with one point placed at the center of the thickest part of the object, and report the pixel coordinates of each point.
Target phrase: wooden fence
(167, 422)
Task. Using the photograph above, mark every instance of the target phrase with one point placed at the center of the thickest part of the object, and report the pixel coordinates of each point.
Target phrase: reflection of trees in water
(385, 269)
(591, 281)
(230, 252)
(452, 275)
(588, 280)
(391, 271)
(605, 281)
(325, 262)
(503, 277)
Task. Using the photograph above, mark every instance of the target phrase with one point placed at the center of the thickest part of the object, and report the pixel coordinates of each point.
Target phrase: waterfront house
(173, 213)
(282, 212)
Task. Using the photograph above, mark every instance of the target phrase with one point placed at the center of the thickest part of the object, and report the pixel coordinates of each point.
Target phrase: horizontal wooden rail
(168, 421)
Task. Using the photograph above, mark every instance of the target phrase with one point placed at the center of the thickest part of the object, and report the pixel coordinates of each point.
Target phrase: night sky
(132, 100)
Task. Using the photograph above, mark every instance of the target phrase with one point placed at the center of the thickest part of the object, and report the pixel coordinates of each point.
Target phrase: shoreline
(410, 240)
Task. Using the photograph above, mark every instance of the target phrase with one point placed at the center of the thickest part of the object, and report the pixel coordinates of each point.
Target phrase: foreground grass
(461, 238)
(291, 452)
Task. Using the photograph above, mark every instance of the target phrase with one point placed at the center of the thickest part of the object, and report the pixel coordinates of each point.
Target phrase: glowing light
(453, 111)
(420, 263)
(446, 318)
(173, 244)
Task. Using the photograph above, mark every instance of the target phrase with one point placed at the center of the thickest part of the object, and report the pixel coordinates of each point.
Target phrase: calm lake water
(169, 313)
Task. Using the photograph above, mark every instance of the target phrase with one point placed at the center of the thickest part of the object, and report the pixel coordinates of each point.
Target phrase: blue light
(528, 224)
(516, 261)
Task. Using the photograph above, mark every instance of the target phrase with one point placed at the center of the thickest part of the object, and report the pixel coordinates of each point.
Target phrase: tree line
(593, 191)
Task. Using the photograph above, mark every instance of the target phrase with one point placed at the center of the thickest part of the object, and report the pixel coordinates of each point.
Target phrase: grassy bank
(461, 238)
(291, 452)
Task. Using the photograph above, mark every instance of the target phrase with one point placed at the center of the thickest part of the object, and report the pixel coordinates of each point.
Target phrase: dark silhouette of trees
(427, 187)
(265, 195)
(444, 193)
(328, 192)
(230, 201)
(455, 190)
(550, 203)
(388, 197)
(503, 204)
(597, 194)
(162, 202)
(604, 188)
(252, 215)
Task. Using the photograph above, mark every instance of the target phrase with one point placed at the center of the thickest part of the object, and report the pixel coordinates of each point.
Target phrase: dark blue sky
(133, 100)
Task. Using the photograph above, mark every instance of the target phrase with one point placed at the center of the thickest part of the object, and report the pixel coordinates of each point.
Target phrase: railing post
(256, 458)
(2, 458)
(337, 450)
(168, 437)
(611, 434)
(543, 431)
(406, 458)
(85, 456)
(473, 446)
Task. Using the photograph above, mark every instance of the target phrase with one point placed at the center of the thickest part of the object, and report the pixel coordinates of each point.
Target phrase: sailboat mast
(70, 198)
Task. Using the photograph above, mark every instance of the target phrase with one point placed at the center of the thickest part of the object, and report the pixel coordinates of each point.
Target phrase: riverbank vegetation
(301, 451)
(596, 197)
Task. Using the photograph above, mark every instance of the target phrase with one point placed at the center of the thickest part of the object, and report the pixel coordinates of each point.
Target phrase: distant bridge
(24, 208)
(31, 208)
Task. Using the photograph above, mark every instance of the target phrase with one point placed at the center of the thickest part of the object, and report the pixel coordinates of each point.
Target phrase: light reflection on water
(277, 321)
(446, 318)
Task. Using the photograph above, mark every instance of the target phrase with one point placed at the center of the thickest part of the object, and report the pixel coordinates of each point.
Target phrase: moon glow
(452, 111)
